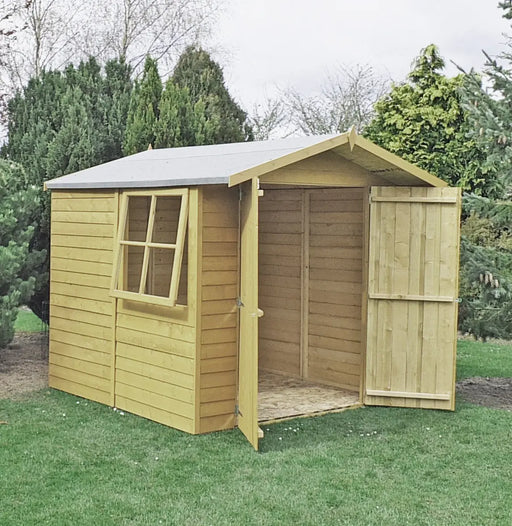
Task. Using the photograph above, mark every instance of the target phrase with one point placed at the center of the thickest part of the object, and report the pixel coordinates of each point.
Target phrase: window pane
(138, 214)
(166, 219)
(160, 270)
(133, 267)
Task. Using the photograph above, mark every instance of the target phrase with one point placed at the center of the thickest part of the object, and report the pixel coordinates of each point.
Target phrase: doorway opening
(310, 289)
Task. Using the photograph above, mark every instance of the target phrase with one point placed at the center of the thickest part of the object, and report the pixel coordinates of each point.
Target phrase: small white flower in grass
(280, 438)
(121, 413)
(78, 402)
(63, 414)
(428, 428)
(156, 458)
(114, 409)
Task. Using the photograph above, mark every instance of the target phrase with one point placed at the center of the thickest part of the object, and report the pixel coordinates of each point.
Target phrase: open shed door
(248, 342)
(412, 297)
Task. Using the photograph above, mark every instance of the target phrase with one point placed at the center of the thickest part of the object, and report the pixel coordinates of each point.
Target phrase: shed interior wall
(311, 284)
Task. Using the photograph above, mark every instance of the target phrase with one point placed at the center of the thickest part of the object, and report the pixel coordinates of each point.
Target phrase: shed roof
(234, 163)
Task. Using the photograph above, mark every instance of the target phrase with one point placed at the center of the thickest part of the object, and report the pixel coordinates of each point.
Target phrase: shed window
(150, 248)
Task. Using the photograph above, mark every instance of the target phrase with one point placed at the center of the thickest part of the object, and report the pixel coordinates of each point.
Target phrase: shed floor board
(282, 396)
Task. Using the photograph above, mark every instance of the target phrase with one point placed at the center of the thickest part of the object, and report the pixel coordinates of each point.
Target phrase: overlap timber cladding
(412, 287)
(310, 276)
(152, 349)
(219, 315)
(81, 310)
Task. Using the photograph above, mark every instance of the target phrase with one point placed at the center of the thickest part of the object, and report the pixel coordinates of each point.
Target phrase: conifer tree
(62, 122)
(20, 263)
(423, 121)
(221, 119)
(143, 111)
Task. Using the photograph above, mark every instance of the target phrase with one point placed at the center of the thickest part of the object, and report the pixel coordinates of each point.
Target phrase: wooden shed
(320, 271)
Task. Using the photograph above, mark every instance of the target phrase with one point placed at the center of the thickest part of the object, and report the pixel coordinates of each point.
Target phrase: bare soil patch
(488, 392)
(24, 365)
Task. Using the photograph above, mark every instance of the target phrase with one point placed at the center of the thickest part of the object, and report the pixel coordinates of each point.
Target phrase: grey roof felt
(188, 166)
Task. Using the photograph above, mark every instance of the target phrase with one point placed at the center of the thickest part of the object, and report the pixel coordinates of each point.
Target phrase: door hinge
(239, 303)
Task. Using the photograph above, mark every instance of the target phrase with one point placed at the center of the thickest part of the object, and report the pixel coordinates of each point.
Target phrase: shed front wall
(136, 356)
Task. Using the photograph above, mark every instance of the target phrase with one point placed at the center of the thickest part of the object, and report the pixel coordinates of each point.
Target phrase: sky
(276, 44)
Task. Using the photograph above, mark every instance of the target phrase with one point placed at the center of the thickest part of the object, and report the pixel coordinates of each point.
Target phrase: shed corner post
(195, 252)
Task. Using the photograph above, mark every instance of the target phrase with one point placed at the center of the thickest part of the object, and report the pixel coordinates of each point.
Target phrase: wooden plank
(156, 400)
(209, 336)
(81, 291)
(155, 341)
(91, 318)
(76, 364)
(155, 414)
(411, 297)
(219, 277)
(164, 360)
(220, 321)
(224, 407)
(173, 331)
(83, 304)
(217, 423)
(88, 324)
(82, 229)
(215, 365)
(85, 391)
(74, 340)
(86, 217)
(80, 353)
(76, 278)
(173, 391)
(66, 241)
(79, 377)
(407, 394)
(82, 194)
(149, 373)
(218, 350)
(81, 267)
(100, 204)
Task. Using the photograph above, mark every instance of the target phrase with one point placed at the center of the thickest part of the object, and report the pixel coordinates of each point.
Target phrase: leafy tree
(423, 121)
(219, 118)
(143, 111)
(19, 262)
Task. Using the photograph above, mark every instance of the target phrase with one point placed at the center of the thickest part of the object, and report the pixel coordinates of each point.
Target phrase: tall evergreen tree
(63, 122)
(221, 119)
(423, 121)
(143, 111)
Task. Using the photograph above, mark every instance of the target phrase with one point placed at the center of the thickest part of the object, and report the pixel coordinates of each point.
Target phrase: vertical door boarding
(412, 297)
(248, 301)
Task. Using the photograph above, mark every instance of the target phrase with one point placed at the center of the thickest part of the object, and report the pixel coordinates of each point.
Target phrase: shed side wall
(81, 310)
(219, 315)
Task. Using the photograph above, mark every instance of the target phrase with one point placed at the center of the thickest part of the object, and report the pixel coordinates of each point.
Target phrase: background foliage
(20, 263)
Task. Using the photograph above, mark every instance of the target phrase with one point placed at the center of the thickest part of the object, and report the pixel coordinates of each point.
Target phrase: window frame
(122, 241)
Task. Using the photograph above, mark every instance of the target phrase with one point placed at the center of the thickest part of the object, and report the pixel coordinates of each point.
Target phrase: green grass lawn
(65, 460)
(27, 321)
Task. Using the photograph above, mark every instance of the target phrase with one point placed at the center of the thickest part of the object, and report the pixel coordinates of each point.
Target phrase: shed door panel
(248, 352)
(412, 291)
